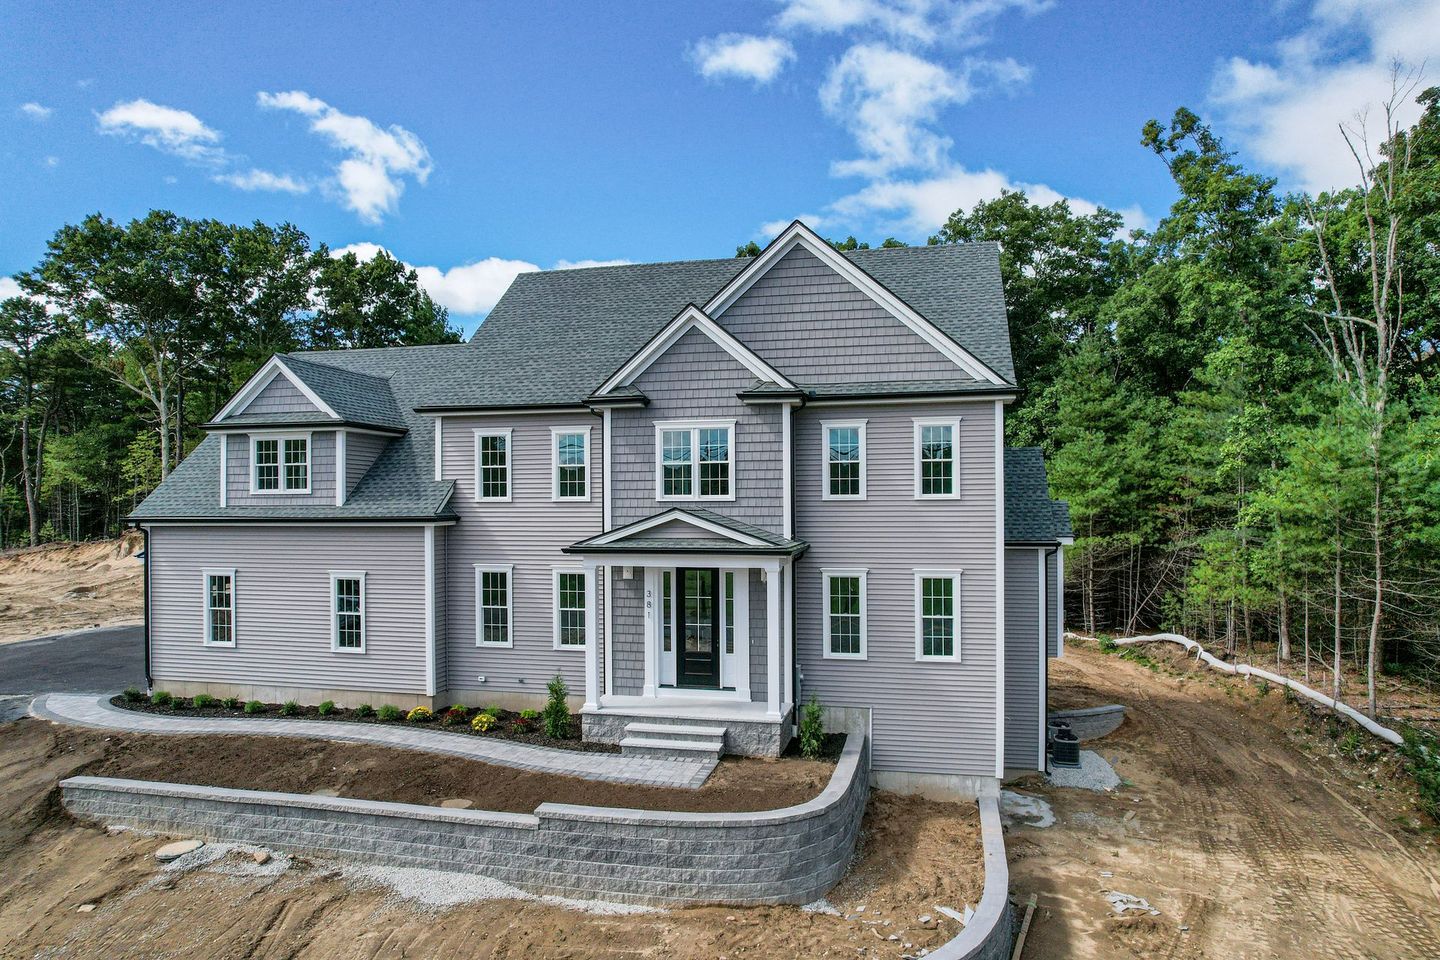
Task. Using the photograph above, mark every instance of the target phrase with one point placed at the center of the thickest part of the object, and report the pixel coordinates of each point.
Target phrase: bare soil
(914, 855)
(70, 586)
(1241, 820)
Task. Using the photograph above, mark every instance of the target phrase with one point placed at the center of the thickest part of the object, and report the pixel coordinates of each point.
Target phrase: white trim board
(691, 318)
(262, 378)
(640, 526)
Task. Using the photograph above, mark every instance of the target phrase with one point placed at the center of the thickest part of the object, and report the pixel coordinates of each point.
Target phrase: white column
(225, 468)
(772, 637)
(592, 638)
(787, 662)
(430, 638)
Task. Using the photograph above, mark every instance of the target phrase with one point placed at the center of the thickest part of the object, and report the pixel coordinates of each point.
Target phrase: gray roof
(357, 396)
(1030, 515)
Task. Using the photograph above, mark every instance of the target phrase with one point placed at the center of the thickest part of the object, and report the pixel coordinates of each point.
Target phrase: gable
(280, 396)
(688, 324)
(693, 358)
(681, 529)
(818, 327)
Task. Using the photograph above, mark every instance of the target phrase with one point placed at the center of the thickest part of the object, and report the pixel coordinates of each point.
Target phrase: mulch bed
(508, 726)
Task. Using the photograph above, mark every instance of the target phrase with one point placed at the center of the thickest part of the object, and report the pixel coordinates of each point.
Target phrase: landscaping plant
(812, 730)
(556, 717)
(455, 716)
(233, 703)
(161, 698)
(133, 695)
(254, 706)
(326, 708)
(525, 721)
(420, 715)
(483, 722)
(365, 711)
(203, 700)
(388, 712)
(289, 709)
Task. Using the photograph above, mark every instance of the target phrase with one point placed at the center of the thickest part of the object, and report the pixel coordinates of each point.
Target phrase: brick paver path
(87, 710)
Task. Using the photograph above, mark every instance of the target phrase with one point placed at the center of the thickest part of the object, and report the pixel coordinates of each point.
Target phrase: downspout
(145, 581)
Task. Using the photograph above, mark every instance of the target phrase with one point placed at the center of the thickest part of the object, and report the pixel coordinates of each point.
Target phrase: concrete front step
(671, 749)
(674, 731)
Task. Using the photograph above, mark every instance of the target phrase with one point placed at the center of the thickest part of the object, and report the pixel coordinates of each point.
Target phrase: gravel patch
(1094, 773)
(1025, 810)
(441, 890)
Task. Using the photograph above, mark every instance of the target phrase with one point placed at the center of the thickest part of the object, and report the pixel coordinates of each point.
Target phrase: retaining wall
(1092, 723)
(791, 855)
(990, 934)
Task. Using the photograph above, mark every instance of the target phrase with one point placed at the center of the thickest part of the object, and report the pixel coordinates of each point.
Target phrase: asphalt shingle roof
(772, 543)
(357, 396)
(1030, 515)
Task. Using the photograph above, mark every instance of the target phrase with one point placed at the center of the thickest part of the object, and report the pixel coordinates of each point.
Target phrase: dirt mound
(70, 586)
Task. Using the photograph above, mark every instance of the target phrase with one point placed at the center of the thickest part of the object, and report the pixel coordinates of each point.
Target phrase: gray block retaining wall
(748, 738)
(1091, 723)
(791, 855)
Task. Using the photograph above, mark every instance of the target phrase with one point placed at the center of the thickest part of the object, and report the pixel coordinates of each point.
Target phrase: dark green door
(698, 652)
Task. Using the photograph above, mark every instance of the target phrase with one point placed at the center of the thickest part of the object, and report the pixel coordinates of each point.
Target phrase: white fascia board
(640, 526)
(262, 378)
(692, 318)
(797, 234)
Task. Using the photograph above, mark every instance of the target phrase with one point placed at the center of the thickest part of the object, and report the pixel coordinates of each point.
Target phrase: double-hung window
(571, 627)
(347, 612)
(937, 458)
(844, 467)
(220, 608)
(695, 461)
(937, 615)
(280, 464)
(570, 451)
(844, 625)
(494, 606)
(492, 465)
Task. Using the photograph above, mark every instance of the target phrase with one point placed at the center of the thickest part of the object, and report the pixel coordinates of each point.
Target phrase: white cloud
(739, 55)
(956, 22)
(585, 264)
(177, 132)
(371, 178)
(52, 161)
(35, 111)
(1288, 107)
(256, 179)
(9, 288)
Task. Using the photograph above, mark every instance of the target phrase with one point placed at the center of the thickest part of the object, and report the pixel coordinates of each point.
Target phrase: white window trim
(555, 434)
(507, 433)
(825, 427)
(555, 609)
(509, 570)
(205, 576)
(957, 576)
(335, 613)
(954, 424)
(280, 437)
(694, 426)
(826, 573)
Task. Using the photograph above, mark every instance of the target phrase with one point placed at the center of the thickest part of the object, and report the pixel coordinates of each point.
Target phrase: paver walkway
(86, 710)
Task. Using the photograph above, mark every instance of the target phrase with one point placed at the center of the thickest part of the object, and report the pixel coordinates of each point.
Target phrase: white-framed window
(667, 637)
(494, 606)
(695, 460)
(845, 613)
(219, 608)
(937, 458)
(843, 470)
(347, 611)
(492, 465)
(569, 463)
(280, 463)
(937, 614)
(571, 622)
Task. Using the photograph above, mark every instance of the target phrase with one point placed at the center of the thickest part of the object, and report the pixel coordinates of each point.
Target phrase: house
(701, 492)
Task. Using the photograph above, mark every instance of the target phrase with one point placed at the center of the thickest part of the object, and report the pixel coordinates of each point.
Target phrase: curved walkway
(86, 710)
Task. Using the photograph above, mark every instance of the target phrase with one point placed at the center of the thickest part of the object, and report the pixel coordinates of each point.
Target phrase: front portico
(699, 633)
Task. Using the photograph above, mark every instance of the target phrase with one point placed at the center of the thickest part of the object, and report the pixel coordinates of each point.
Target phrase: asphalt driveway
(88, 661)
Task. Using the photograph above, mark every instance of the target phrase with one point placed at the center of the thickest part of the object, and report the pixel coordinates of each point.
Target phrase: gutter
(145, 580)
(293, 521)
(567, 407)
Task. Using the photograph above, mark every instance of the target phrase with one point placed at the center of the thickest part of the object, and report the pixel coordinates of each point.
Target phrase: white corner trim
(509, 570)
(508, 433)
(825, 427)
(431, 638)
(224, 470)
(826, 573)
(555, 434)
(999, 494)
(1060, 599)
(341, 479)
(787, 464)
(256, 385)
(1043, 596)
(605, 509)
(439, 440)
(692, 318)
(797, 234)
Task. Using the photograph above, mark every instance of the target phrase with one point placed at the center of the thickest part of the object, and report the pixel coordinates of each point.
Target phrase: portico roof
(683, 530)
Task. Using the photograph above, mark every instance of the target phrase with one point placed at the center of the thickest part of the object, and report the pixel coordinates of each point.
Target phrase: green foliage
(254, 707)
(289, 709)
(161, 698)
(525, 721)
(812, 730)
(1422, 762)
(364, 711)
(389, 712)
(133, 695)
(556, 716)
(202, 700)
(1350, 742)
(455, 716)
(232, 703)
(325, 708)
(1107, 644)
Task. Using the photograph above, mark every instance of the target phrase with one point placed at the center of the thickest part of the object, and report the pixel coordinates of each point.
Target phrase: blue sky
(476, 140)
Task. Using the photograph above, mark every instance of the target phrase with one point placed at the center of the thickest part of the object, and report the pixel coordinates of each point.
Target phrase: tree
(373, 303)
(29, 390)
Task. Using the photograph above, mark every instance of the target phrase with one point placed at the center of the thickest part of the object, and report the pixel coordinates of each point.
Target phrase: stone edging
(791, 855)
(1092, 723)
(990, 932)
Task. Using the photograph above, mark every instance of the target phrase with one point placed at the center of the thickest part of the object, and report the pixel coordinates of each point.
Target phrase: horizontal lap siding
(815, 326)
(282, 600)
(1052, 615)
(931, 716)
(322, 474)
(696, 379)
(1022, 659)
(528, 532)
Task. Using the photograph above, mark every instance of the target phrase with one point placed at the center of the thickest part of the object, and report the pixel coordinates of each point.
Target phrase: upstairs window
(492, 465)
(347, 612)
(571, 451)
(844, 476)
(936, 458)
(280, 464)
(937, 615)
(220, 608)
(695, 461)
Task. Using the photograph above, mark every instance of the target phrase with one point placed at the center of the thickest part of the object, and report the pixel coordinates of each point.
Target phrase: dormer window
(280, 463)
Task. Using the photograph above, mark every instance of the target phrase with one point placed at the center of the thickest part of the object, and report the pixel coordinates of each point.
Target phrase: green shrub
(493, 710)
(161, 698)
(253, 707)
(556, 716)
(483, 722)
(1422, 762)
(289, 709)
(179, 703)
(1351, 742)
(233, 703)
(524, 721)
(812, 730)
(202, 701)
(455, 716)
(364, 711)
(326, 708)
(420, 715)
(389, 712)
(133, 695)
(1108, 644)
(1262, 686)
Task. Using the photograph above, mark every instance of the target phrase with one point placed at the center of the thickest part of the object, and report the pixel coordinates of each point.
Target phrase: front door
(698, 614)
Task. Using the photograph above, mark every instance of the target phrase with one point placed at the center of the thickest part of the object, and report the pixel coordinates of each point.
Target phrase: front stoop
(673, 741)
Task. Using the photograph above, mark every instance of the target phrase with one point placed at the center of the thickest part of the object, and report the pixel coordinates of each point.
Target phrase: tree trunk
(1377, 542)
(1335, 693)
(1284, 651)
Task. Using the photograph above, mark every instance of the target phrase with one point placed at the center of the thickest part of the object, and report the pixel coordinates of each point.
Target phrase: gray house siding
(815, 326)
(322, 473)
(528, 532)
(282, 606)
(695, 380)
(927, 716)
(627, 621)
(759, 642)
(441, 586)
(1053, 588)
(280, 396)
(1023, 662)
(361, 452)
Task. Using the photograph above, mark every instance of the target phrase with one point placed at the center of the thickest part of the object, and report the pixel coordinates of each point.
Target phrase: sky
(478, 140)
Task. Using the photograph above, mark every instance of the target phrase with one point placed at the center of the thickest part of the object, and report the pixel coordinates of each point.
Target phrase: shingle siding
(627, 620)
(1023, 661)
(930, 716)
(361, 452)
(322, 474)
(279, 397)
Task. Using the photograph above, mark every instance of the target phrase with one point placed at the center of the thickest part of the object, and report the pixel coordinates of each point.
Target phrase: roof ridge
(740, 261)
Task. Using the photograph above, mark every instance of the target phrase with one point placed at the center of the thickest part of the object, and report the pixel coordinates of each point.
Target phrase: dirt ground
(915, 854)
(1252, 835)
(63, 587)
